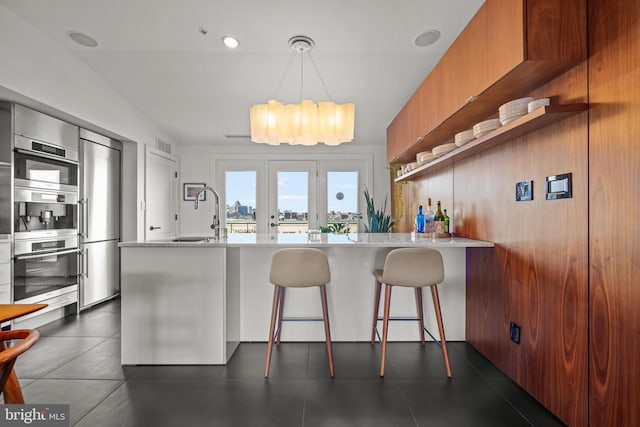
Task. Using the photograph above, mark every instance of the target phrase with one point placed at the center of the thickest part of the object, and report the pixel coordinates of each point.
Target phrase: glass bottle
(446, 222)
(439, 220)
(420, 221)
(429, 219)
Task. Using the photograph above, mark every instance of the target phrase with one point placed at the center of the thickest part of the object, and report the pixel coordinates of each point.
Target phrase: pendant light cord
(286, 70)
(284, 74)
(301, 75)
(319, 76)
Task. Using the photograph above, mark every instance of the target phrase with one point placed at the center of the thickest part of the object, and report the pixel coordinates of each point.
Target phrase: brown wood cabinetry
(614, 235)
(564, 270)
(506, 50)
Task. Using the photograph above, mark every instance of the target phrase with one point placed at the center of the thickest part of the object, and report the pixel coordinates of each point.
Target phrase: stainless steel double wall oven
(45, 211)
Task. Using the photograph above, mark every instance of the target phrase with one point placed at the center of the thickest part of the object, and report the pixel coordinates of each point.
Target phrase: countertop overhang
(395, 240)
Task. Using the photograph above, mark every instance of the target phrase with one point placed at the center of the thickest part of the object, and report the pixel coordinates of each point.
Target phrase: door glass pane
(342, 200)
(293, 202)
(240, 201)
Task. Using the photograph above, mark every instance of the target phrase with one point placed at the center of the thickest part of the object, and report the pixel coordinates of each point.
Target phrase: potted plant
(377, 219)
(337, 228)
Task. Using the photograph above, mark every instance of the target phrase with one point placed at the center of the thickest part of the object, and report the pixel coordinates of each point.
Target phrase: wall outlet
(514, 332)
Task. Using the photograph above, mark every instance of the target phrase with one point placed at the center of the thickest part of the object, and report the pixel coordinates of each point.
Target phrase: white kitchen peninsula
(186, 302)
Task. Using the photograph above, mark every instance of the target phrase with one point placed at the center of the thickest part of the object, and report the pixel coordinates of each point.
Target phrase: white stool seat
(297, 268)
(414, 268)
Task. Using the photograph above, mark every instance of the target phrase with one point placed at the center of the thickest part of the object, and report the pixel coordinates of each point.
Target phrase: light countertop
(318, 240)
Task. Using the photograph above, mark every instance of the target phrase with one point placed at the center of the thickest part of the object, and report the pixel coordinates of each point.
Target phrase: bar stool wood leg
(280, 314)
(443, 340)
(420, 310)
(376, 305)
(327, 329)
(385, 326)
(272, 328)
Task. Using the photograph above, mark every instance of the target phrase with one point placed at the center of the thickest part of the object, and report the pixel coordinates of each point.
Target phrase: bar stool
(297, 268)
(413, 268)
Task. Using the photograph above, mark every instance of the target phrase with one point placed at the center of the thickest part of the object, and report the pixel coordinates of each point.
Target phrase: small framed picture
(524, 191)
(190, 190)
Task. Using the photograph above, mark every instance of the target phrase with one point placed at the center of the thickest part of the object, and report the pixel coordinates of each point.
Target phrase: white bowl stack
(483, 128)
(534, 105)
(424, 157)
(463, 137)
(443, 149)
(411, 166)
(514, 109)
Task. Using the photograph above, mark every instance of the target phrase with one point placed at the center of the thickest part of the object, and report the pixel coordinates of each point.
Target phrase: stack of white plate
(424, 157)
(534, 105)
(443, 149)
(411, 166)
(483, 128)
(514, 109)
(463, 137)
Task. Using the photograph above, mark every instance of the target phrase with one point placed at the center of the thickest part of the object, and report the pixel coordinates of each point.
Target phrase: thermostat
(559, 186)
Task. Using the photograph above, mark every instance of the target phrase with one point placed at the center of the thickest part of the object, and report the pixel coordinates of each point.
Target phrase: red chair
(9, 385)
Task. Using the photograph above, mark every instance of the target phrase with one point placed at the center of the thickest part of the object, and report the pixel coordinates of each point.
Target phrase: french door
(285, 196)
(292, 196)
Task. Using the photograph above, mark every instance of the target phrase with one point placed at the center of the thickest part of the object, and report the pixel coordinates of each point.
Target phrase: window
(240, 201)
(342, 199)
(284, 196)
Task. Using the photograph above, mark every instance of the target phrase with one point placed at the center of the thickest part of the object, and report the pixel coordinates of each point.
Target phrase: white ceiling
(198, 91)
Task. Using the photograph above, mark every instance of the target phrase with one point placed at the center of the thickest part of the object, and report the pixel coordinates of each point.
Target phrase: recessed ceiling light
(82, 39)
(427, 38)
(230, 42)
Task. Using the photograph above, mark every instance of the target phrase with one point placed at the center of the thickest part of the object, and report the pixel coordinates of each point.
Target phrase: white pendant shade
(306, 123)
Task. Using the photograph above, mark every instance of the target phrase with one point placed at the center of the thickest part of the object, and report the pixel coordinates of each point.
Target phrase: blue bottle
(420, 221)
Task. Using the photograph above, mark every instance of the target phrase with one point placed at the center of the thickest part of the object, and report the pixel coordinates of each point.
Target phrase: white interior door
(292, 196)
(160, 195)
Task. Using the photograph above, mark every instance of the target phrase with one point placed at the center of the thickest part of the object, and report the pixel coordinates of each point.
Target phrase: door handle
(154, 228)
(85, 218)
(273, 224)
(86, 264)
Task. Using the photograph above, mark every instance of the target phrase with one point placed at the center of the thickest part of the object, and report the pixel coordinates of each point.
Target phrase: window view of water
(292, 201)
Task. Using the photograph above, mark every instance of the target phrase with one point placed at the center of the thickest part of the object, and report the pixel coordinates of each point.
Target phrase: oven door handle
(45, 155)
(45, 254)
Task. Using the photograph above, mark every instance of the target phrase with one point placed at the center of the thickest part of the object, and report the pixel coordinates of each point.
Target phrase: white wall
(197, 164)
(38, 72)
(45, 72)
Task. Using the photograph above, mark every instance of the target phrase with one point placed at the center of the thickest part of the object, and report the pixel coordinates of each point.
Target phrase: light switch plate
(559, 186)
(524, 191)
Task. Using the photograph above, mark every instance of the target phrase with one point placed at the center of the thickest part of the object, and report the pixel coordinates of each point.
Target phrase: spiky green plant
(377, 220)
(336, 228)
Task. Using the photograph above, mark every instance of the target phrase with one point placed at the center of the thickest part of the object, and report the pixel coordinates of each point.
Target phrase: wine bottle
(429, 219)
(446, 222)
(439, 220)
(420, 221)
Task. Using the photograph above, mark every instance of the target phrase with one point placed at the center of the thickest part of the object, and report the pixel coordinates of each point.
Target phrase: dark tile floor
(77, 362)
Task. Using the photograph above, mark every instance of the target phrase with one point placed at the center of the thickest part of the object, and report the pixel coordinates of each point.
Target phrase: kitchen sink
(191, 239)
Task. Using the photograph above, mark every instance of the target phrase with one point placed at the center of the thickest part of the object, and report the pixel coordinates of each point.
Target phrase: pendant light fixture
(306, 123)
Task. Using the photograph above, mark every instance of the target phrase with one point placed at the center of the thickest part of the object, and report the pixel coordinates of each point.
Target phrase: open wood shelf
(538, 119)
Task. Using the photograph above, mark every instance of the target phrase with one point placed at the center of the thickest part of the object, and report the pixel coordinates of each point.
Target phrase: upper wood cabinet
(509, 48)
